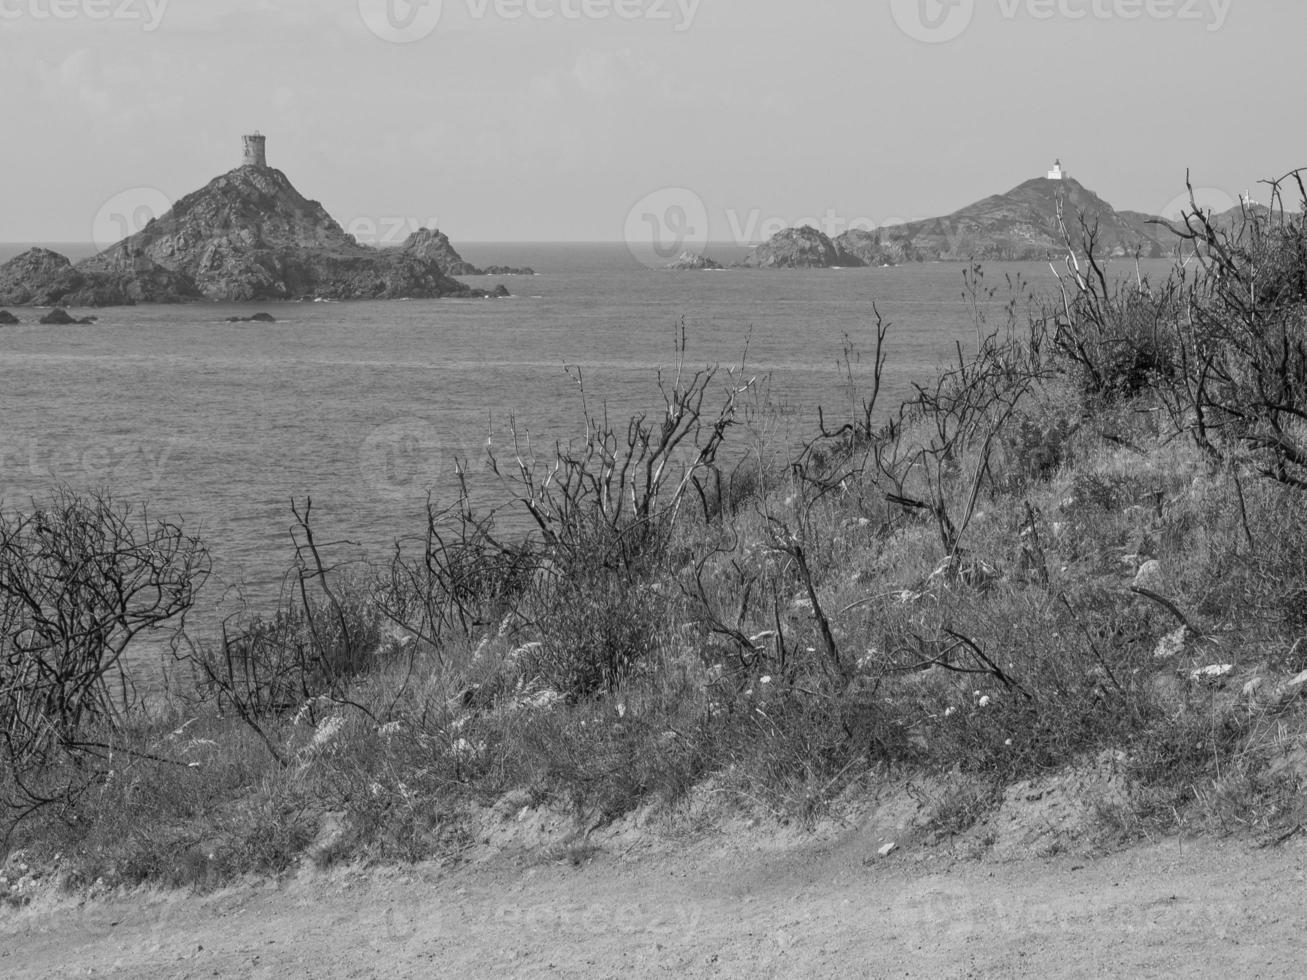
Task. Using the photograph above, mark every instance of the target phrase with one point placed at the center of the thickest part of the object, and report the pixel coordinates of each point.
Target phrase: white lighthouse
(1057, 173)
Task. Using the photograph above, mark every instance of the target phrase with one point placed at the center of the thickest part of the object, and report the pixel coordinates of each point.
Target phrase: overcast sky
(541, 120)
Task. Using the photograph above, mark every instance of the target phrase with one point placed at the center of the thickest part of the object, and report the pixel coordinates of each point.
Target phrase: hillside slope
(1021, 224)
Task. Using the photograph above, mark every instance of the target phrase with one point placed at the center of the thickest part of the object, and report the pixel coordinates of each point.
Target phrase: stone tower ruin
(256, 150)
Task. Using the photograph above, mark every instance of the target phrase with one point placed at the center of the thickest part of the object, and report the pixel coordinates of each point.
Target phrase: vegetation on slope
(1088, 535)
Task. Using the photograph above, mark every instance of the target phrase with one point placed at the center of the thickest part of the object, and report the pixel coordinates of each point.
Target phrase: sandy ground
(730, 907)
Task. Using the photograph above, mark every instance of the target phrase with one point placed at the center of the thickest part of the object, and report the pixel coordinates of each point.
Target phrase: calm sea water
(366, 406)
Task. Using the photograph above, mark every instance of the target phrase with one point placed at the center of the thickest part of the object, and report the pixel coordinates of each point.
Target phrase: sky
(599, 120)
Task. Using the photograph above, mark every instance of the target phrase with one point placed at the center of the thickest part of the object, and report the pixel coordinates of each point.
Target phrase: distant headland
(248, 235)
(1021, 225)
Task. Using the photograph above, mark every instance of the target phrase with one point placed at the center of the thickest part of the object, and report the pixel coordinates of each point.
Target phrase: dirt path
(829, 909)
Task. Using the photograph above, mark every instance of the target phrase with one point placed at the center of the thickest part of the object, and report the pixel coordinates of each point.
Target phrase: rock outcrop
(7, 319)
(504, 270)
(248, 235)
(40, 277)
(873, 249)
(256, 318)
(59, 317)
(22, 277)
(800, 248)
(693, 262)
(432, 245)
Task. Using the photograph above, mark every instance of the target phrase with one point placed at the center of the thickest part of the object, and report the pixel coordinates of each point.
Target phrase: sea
(370, 408)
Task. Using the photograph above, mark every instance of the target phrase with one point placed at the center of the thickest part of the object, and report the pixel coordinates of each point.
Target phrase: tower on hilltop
(1057, 173)
(256, 153)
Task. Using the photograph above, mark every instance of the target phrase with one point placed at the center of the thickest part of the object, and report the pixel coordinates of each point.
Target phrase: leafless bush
(1114, 337)
(325, 633)
(459, 576)
(81, 578)
(623, 487)
(961, 419)
(1243, 337)
(607, 506)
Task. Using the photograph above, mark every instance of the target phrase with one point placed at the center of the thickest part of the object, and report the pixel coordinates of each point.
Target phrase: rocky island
(431, 245)
(59, 317)
(248, 235)
(800, 248)
(693, 262)
(1020, 225)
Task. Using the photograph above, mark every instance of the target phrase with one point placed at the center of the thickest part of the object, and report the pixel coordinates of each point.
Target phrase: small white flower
(950, 712)
(986, 701)
(765, 680)
(1008, 743)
